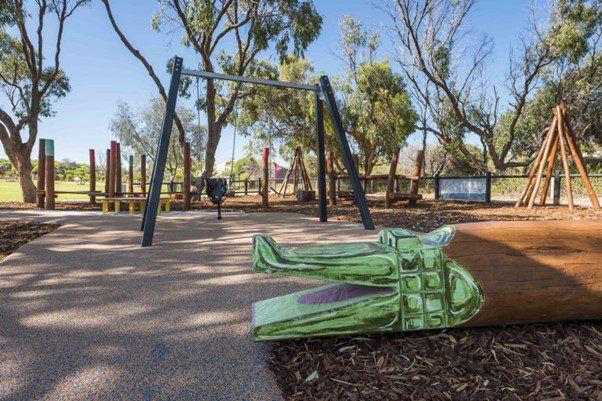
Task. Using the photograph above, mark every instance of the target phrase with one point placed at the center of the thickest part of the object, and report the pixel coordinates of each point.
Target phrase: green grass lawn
(10, 191)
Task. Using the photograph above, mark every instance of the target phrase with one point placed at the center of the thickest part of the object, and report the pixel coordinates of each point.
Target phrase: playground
(94, 314)
(300, 200)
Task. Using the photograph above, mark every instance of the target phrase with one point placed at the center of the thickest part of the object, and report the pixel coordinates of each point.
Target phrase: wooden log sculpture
(476, 274)
(560, 132)
(298, 169)
(217, 188)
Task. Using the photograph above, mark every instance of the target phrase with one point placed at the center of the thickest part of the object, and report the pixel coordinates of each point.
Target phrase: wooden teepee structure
(298, 169)
(560, 133)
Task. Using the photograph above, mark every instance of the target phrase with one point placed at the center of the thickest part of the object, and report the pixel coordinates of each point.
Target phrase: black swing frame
(322, 93)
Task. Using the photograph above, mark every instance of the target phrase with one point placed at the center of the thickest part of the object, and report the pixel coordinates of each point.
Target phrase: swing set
(323, 93)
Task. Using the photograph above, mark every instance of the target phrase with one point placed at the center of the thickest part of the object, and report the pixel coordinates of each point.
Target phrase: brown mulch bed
(560, 361)
(551, 362)
(424, 216)
(14, 234)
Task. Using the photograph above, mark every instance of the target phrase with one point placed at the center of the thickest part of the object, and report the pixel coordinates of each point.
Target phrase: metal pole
(322, 207)
(335, 117)
(488, 188)
(152, 200)
(260, 81)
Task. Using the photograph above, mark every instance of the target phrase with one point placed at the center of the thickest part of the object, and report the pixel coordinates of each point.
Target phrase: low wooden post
(92, 175)
(391, 178)
(111, 164)
(557, 187)
(49, 179)
(41, 173)
(415, 184)
(118, 170)
(266, 176)
(437, 186)
(187, 177)
(131, 174)
(246, 186)
(143, 174)
(332, 191)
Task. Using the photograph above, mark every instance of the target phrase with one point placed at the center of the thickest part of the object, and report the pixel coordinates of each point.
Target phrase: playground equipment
(392, 194)
(299, 171)
(560, 131)
(132, 201)
(46, 192)
(217, 188)
(476, 274)
(323, 90)
(114, 188)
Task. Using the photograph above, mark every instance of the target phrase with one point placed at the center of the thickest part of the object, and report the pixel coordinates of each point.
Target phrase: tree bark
(27, 186)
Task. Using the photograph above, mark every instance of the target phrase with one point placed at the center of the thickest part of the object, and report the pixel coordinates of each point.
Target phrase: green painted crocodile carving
(402, 282)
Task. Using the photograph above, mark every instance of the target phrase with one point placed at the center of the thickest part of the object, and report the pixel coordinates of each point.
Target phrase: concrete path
(85, 313)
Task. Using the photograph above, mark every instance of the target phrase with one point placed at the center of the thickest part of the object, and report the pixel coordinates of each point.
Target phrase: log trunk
(532, 271)
(415, 184)
(391, 178)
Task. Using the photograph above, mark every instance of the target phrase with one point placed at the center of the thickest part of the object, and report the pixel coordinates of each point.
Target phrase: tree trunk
(214, 130)
(24, 170)
(213, 137)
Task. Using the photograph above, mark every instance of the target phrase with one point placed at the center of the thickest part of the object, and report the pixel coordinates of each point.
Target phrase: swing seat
(217, 189)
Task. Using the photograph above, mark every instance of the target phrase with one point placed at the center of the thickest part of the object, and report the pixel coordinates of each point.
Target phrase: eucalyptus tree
(139, 132)
(281, 117)
(448, 79)
(375, 104)
(228, 35)
(31, 78)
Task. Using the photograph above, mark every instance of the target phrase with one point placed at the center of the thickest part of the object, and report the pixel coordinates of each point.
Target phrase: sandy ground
(86, 313)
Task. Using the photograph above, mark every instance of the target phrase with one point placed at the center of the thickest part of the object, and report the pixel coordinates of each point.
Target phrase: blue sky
(103, 72)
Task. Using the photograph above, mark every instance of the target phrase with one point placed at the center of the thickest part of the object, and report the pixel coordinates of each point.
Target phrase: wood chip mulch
(14, 234)
(544, 362)
(426, 215)
(551, 362)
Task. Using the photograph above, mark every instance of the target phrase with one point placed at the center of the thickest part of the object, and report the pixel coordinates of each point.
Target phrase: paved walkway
(85, 313)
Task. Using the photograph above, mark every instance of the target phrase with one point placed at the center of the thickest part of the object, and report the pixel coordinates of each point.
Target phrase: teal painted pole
(49, 167)
(49, 147)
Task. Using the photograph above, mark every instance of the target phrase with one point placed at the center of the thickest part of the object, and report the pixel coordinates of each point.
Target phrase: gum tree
(213, 28)
(31, 78)
(375, 104)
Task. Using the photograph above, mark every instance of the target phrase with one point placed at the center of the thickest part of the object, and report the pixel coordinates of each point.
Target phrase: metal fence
(498, 188)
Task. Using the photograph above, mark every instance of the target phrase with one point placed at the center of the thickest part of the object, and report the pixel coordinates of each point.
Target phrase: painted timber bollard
(473, 274)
